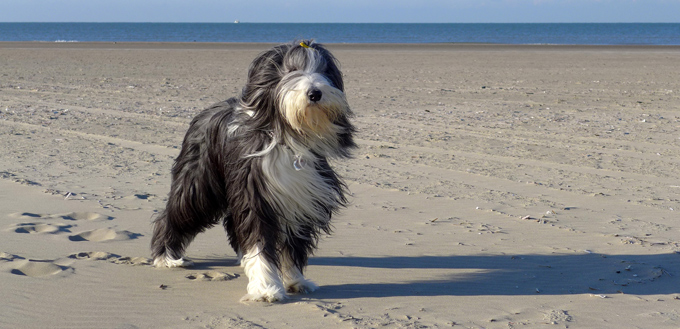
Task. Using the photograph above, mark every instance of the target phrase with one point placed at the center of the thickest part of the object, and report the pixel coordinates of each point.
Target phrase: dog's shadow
(586, 273)
(206, 264)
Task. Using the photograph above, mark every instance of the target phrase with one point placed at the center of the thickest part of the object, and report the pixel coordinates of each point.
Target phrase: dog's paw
(170, 262)
(301, 286)
(270, 295)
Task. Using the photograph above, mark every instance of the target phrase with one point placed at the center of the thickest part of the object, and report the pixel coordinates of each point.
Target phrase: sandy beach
(495, 186)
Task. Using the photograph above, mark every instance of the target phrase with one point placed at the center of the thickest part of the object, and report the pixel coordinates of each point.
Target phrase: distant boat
(236, 21)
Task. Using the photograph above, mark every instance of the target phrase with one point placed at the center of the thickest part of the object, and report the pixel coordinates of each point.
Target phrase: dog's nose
(314, 95)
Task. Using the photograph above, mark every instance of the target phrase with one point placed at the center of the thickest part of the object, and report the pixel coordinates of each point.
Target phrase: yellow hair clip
(304, 45)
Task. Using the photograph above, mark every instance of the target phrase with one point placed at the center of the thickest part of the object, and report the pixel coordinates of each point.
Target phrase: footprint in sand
(211, 276)
(68, 216)
(141, 196)
(36, 268)
(33, 228)
(27, 215)
(111, 258)
(84, 216)
(104, 234)
(5, 257)
(117, 259)
(30, 267)
(93, 255)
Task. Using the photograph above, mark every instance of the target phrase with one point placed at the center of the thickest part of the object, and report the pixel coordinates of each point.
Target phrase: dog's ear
(263, 76)
(264, 68)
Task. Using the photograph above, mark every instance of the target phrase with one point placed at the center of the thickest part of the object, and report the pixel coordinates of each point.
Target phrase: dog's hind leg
(186, 214)
(196, 200)
(168, 244)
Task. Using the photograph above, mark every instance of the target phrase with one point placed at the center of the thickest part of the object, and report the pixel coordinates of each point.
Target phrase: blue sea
(501, 33)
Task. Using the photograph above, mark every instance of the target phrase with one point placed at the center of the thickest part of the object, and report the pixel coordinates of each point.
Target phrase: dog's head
(297, 89)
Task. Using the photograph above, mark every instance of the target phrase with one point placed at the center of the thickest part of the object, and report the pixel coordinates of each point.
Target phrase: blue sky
(360, 11)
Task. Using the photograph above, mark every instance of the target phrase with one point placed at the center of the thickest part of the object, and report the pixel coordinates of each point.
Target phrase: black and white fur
(259, 164)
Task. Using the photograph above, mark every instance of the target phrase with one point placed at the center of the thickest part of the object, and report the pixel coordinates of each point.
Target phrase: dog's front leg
(264, 281)
(293, 261)
(295, 282)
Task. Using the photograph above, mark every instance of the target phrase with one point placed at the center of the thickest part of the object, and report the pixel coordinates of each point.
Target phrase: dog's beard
(312, 119)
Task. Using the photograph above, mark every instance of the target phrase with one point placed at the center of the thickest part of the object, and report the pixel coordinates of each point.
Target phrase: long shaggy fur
(259, 165)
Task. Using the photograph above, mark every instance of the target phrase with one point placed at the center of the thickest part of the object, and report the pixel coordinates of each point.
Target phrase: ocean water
(510, 33)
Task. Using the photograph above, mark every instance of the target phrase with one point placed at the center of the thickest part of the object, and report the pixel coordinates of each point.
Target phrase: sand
(494, 187)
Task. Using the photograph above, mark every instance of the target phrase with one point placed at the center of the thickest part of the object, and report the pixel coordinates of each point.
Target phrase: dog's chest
(298, 191)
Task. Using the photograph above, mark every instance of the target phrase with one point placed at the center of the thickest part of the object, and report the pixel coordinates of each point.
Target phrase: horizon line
(246, 22)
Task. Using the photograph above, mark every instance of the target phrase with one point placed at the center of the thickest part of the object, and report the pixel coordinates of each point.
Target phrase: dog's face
(301, 85)
(310, 103)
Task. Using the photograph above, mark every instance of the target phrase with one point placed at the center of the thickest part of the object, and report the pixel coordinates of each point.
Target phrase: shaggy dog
(258, 163)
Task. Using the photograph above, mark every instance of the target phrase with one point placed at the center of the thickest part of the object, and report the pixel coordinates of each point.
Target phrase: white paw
(301, 286)
(270, 294)
(171, 262)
